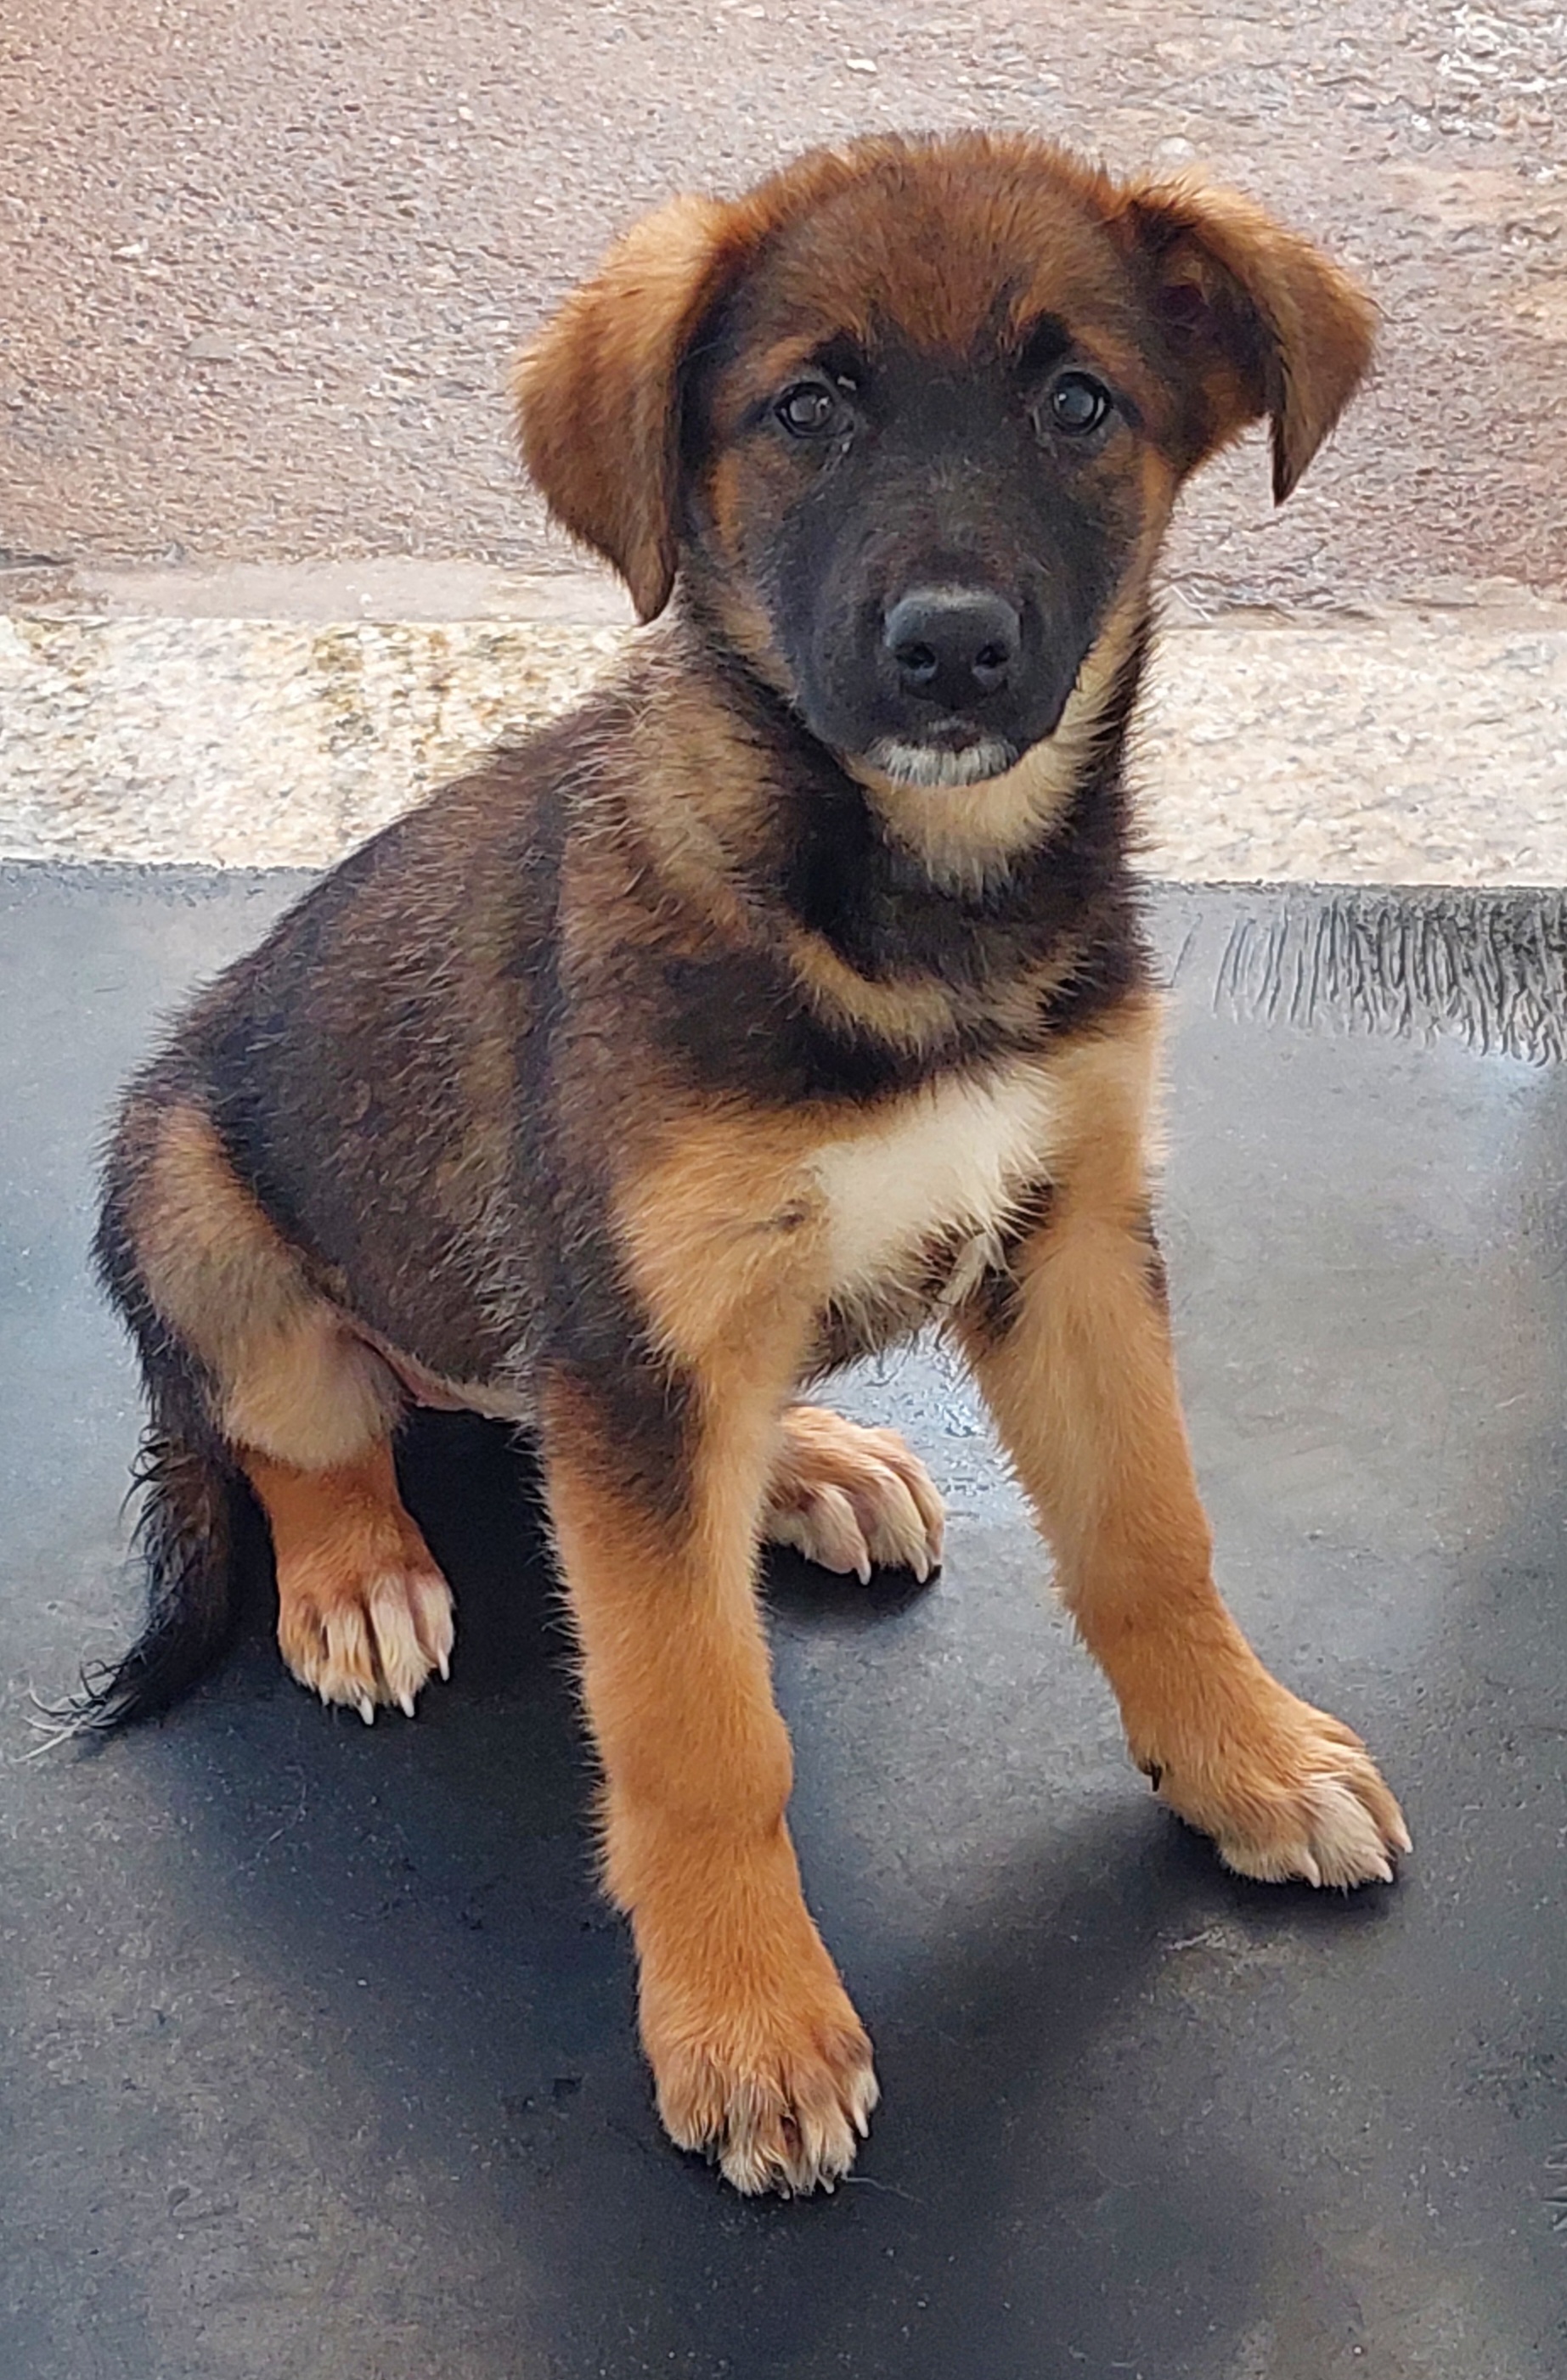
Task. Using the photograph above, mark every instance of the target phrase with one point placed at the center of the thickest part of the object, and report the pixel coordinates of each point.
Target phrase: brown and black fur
(604, 1090)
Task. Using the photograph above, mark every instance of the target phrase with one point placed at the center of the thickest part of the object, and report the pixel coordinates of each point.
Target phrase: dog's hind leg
(289, 1397)
(852, 1498)
(364, 1615)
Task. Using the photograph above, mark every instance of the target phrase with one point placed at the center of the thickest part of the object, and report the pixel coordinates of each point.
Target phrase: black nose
(952, 645)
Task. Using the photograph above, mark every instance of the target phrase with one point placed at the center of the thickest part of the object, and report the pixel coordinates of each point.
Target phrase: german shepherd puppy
(787, 996)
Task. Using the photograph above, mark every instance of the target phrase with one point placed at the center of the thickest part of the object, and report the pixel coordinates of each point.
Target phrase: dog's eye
(1078, 404)
(808, 410)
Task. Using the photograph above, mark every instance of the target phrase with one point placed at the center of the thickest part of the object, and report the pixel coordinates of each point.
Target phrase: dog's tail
(184, 1537)
(190, 1498)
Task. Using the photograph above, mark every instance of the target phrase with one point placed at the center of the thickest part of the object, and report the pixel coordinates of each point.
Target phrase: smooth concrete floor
(318, 2050)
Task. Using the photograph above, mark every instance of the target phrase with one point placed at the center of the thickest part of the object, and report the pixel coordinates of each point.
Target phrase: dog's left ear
(598, 392)
(1259, 318)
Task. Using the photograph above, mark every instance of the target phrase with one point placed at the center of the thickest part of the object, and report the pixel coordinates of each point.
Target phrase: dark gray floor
(319, 2055)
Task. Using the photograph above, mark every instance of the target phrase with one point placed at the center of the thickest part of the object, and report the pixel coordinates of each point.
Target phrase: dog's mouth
(934, 765)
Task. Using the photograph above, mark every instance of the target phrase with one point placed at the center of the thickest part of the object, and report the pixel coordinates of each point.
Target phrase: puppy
(785, 997)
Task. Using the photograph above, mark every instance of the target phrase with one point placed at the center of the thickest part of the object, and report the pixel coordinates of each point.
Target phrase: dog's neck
(809, 942)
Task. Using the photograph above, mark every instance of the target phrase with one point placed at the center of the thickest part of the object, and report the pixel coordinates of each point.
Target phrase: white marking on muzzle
(928, 764)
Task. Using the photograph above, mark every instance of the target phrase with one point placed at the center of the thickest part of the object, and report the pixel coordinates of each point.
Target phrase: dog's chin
(936, 766)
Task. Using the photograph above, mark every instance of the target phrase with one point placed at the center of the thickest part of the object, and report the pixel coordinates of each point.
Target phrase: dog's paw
(364, 1634)
(1294, 1795)
(780, 2094)
(852, 1498)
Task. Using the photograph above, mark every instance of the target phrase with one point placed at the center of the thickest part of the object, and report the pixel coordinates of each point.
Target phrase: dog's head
(910, 419)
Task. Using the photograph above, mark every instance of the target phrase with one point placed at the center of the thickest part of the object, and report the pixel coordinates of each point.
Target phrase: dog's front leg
(756, 2051)
(1071, 1346)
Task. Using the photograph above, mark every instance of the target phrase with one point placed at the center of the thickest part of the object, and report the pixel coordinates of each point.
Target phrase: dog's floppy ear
(598, 392)
(1263, 323)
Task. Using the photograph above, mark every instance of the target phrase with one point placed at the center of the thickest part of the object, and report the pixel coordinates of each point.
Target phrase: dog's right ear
(598, 392)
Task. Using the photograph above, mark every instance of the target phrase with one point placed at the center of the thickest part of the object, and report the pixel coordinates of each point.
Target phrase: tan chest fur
(947, 1167)
(749, 1224)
